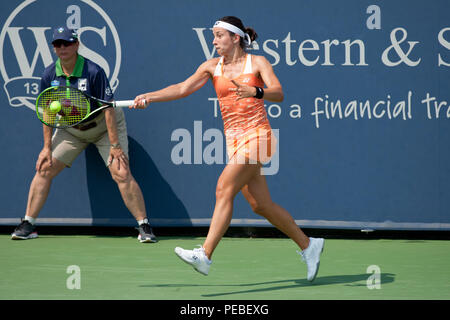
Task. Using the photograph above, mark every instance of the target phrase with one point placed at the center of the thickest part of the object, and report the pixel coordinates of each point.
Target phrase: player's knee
(223, 192)
(44, 174)
(48, 172)
(121, 176)
(261, 209)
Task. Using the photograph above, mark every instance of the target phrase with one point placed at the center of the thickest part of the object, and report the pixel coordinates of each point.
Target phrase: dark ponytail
(251, 32)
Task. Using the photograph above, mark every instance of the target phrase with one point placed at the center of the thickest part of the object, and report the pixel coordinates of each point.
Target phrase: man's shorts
(68, 143)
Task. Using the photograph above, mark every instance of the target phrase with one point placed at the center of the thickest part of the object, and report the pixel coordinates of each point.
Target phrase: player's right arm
(45, 156)
(179, 90)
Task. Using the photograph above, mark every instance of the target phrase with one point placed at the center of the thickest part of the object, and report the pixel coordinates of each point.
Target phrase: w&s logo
(26, 50)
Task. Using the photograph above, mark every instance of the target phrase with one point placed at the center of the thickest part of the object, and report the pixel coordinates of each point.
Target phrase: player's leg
(65, 149)
(128, 187)
(132, 196)
(257, 194)
(120, 172)
(37, 195)
(230, 182)
(40, 187)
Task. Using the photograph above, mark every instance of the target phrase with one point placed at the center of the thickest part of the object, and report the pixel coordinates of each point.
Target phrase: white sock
(143, 221)
(30, 220)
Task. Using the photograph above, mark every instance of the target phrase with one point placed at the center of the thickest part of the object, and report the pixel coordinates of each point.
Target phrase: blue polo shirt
(86, 76)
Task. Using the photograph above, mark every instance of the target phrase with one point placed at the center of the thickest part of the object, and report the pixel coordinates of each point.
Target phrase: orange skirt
(253, 146)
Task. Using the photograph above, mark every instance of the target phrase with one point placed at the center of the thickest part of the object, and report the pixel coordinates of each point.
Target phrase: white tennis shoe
(311, 256)
(196, 258)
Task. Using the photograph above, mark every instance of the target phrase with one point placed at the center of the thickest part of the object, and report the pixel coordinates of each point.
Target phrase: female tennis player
(242, 81)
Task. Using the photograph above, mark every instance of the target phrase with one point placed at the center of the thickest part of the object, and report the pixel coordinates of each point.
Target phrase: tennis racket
(64, 107)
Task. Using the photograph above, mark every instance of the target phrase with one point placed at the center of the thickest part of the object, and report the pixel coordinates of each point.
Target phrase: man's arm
(45, 156)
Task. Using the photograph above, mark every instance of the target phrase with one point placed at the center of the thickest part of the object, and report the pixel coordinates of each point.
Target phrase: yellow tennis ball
(55, 106)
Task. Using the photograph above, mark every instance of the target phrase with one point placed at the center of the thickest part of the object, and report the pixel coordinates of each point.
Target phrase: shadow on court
(348, 280)
(107, 206)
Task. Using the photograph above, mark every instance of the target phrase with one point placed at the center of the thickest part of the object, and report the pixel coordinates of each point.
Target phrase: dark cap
(63, 33)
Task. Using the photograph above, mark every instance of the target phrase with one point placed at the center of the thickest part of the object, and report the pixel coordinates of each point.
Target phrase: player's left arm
(111, 125)
(116, 153)
(273, 90)
(104, 92)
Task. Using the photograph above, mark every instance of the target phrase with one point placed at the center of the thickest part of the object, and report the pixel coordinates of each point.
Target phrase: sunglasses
(59, 43)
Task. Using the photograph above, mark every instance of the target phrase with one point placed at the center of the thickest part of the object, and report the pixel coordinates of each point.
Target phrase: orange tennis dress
(247, 129)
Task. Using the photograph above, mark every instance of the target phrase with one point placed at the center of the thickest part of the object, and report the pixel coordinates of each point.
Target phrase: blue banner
(363, 130)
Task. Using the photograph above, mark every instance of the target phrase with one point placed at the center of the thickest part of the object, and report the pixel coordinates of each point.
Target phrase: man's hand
(44, 160)
(119, 156)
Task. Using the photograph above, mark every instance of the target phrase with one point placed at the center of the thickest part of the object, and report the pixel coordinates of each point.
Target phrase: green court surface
(243, 269)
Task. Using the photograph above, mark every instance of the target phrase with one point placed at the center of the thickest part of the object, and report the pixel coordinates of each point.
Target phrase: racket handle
(125, 103)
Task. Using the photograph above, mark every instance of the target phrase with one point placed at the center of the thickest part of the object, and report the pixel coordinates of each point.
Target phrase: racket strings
(74, 107)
